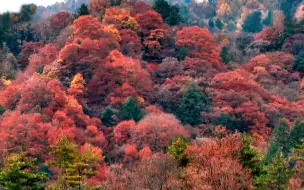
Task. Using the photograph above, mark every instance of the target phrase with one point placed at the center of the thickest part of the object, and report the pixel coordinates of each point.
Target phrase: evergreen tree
(250, 157)
(211, 23)
(235, 124)
(219, 24)
(280, 136)
(175, 17)
(162, 7)
(268, 20)
(130, 110)
(299, 62)
(182, 53)
(225, 55)
(20, 172)
(81, 11)
(252, 23)
(273, 149)
(280, 141)
(2, 109)
(277, 174)
(74, 166)
(107, 117)
(185, 14)
(177, 149)
(296, 135)
(170, 14)
(193, 102)
(64, 153)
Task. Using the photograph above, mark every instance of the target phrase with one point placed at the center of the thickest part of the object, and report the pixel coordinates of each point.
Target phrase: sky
(14, 5)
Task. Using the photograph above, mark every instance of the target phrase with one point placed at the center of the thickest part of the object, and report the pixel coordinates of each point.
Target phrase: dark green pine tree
(219, 24)
(182, 53)
(163, 8)
(252, 23)
(296, 135)
(299, 62)
(193, 102)
(175, 18)
(107, 117)
(250, 157)
(82, 10)
(170, 14)
(211, 23)
(268, 20)
(20, 172)
(279, 142)
(130, 110)
(225, 55)
(2, 109)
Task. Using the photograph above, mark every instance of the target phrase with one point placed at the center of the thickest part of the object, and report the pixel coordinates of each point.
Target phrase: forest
(153, 95)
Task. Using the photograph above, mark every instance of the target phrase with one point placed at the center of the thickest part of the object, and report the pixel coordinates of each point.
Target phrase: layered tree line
(177, 94)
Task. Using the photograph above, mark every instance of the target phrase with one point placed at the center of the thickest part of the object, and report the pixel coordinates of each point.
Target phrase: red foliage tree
(199, 43)
(44, 56)
(149, 21)
(35, 95)
(28, 48)
(24, 132)
(145, 153)
(130, 43)
(213, 164)
(169, 68)
(10, 96)
(122, 132)
(116, 71)
(196, 67)
(61, 20)
(156, 131)
(88, 27)
(131, 154)
(140, 7)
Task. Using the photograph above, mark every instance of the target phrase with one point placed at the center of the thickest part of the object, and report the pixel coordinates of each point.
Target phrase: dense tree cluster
(117, 94)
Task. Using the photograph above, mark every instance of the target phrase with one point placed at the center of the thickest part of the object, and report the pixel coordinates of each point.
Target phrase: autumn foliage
(109, 94)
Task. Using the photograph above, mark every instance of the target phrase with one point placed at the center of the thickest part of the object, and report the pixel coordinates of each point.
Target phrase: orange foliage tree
(121, 18)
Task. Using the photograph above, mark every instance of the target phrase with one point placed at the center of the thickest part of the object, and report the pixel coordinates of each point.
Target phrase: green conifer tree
(296, 135)
(81, 11)
(130, 110)
(74, 166)
(219, 24)
(20, 172)
(2, 109)
(252, 23)
(193, 102)
(251, 158)
(277, 174)
(225, 55)
(107, 117)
